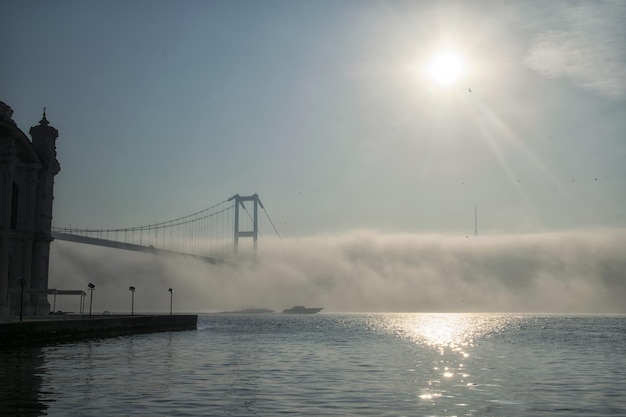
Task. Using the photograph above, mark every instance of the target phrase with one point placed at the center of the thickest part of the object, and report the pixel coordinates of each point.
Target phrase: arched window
(14, 201)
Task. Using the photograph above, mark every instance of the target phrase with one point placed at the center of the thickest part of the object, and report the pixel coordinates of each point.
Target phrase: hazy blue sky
(328, 111)
(368, 166)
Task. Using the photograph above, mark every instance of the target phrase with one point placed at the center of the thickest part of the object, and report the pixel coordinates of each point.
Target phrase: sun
(446, 69)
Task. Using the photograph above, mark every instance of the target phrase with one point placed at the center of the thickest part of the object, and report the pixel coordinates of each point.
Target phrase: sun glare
(445, 69)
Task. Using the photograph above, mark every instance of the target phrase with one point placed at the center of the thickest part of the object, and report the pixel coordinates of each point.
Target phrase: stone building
(27, 170)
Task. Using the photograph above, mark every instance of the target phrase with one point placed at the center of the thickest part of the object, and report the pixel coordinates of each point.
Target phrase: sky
(329, 111)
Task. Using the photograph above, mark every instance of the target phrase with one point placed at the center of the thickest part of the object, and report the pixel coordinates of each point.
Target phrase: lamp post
(21, 298)
(171, 297)
(132, 303)
(91, 288)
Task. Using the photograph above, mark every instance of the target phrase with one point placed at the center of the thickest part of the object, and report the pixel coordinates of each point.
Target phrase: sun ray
(496, 133)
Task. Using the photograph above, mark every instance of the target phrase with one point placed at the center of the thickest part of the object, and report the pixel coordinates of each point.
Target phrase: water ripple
(330, 365)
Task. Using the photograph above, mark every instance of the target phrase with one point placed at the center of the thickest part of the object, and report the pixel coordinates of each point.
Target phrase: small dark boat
(302, 310)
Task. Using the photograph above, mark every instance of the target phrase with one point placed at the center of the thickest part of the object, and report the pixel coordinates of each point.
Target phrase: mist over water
(568, 272)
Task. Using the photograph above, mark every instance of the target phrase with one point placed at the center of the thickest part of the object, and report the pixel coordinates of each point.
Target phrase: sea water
(332, 365)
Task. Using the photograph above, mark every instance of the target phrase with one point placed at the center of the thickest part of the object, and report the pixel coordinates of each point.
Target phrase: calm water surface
(333, 365)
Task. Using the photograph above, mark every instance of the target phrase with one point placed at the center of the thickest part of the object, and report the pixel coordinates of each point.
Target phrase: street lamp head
(171, 290)
(91, 286)
(131, 288)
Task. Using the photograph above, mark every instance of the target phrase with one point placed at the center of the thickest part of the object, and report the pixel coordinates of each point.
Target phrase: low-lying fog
(569, 272)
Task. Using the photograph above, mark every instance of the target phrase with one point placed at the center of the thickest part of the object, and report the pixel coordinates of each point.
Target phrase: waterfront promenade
(45, 331)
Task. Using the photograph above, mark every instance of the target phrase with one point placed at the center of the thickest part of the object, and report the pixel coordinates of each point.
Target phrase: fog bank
(570, 272)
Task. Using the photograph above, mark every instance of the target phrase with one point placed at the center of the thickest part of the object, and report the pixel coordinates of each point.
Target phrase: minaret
(8, 157)
(44, 139)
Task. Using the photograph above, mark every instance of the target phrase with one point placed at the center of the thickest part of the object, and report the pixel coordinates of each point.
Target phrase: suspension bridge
(212, 234)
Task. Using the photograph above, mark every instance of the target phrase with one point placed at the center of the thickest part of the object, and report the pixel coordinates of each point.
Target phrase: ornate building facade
(27, 171)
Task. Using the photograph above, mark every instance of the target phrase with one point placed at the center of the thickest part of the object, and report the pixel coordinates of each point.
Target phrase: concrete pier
(35, 332)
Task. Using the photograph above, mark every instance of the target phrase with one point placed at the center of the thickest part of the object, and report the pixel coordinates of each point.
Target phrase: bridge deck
(126, 246)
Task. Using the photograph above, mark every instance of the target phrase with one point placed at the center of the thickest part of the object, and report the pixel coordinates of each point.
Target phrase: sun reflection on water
(450, 339)
(446, 331)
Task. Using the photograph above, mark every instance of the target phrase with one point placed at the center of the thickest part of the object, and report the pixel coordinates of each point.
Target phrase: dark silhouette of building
(27, 170)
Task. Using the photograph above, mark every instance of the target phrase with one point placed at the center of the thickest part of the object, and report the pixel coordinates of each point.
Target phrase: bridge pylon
(254, 233)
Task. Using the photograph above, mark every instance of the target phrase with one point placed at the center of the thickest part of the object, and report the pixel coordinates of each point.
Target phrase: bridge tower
(254, 233)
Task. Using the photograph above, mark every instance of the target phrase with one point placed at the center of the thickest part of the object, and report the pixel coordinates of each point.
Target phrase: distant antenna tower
(475, 220)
